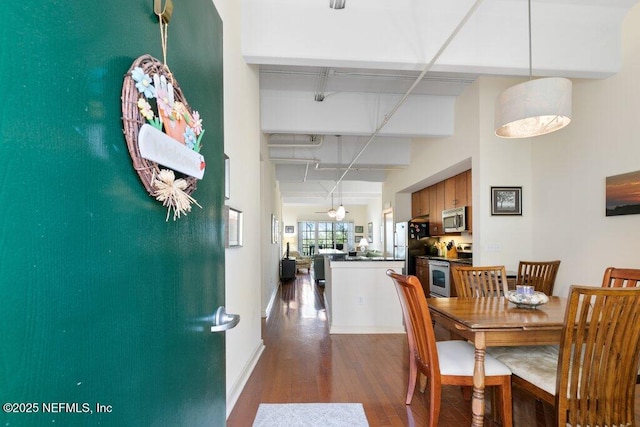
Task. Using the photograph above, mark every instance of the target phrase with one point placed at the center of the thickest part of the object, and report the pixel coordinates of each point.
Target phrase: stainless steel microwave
(454, 220)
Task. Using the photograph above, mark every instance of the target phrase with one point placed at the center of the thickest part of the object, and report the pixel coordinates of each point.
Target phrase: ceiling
(336, 85)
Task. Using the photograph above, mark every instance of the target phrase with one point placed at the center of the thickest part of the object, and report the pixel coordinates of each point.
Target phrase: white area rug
(310, 415)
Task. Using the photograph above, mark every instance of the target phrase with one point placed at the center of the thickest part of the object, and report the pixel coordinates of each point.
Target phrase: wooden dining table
(494, 321)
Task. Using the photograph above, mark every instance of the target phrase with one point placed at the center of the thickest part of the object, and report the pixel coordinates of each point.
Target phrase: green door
(97, 291)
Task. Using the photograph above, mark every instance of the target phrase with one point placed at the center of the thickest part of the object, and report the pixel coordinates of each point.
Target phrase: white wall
(562, 174)
(570, 170)
(270, 204)
(244, 271)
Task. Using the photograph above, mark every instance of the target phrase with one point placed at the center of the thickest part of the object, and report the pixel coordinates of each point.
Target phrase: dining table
(495, 321)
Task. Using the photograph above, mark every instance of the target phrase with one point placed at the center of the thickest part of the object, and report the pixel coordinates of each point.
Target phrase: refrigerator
(410, 239)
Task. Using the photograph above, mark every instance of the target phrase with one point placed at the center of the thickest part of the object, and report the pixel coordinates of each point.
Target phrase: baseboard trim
(233, 393)
(272, 299)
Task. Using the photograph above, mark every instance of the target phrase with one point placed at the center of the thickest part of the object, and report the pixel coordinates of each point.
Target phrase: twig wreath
(152, 97)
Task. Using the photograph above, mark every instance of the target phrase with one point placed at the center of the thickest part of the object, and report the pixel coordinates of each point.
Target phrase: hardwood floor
(302, 363)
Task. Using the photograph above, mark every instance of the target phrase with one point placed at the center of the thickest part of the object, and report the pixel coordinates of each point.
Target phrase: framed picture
(622, 197)
(227, 178)
(370, 232)
(234, 228)
(506, 200)
(288, 229)
(359, 229)
(357, 239)
(274, 229)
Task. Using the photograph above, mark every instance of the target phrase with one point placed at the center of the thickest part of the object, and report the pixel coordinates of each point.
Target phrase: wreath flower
(143, 82)
(164, 94)
(190, 138)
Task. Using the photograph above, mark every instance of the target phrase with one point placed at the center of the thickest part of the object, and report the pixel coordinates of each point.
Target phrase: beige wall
(251, 271)
(570, 171)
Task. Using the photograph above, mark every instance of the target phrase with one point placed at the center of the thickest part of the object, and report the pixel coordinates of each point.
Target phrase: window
(314, 235)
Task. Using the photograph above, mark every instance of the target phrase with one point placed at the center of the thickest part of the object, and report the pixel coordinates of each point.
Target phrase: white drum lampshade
(533, 108)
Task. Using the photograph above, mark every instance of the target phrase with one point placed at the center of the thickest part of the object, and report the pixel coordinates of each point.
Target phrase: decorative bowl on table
(527, 301)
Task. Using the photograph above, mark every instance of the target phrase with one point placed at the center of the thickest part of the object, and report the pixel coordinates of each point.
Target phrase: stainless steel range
(439, 278)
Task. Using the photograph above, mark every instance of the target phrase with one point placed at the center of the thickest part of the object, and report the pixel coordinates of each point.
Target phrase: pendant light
(331, 212)
(535, 107)
(341, 212)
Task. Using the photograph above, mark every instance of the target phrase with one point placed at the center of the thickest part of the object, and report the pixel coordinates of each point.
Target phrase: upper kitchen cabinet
(436, 205)
(451, 193)
(420, 203)
(455, 191)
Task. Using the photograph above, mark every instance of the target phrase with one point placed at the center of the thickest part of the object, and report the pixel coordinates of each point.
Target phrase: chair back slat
(621, 278)
(599, 357)
(539, 274)
(480, 281)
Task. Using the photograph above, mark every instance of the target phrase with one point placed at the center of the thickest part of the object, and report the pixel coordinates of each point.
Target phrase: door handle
(220, 321)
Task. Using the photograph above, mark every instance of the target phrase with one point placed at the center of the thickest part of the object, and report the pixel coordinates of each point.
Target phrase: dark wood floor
(302, 363)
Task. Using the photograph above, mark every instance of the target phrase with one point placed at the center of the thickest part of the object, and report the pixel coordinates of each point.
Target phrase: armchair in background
(301, 260)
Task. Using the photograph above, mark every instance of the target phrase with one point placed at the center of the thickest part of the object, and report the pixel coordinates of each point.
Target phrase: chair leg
(435, 395)
(505, 402)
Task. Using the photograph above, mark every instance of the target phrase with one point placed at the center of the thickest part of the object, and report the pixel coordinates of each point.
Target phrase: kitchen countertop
(441, 258)
(365, 258)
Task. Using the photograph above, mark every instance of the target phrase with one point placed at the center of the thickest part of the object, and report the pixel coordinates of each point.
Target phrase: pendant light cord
(530, 61)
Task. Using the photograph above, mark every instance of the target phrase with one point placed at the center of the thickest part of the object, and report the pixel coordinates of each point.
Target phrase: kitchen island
(360, 298)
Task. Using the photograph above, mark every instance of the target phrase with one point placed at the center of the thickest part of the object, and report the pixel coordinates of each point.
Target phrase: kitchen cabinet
(420, 203)
(436, 205)
(469, 216)
(422, 273)
(450, 193)
(455, 193)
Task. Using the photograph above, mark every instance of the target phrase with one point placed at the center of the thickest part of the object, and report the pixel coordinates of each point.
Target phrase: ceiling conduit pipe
(293, 160)
(306, 172)
(388, 116)
(299, 145)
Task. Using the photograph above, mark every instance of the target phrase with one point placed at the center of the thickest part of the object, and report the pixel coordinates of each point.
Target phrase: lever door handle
(220, 321)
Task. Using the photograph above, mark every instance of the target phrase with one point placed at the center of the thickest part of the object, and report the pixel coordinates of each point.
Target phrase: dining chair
(592, 380)
(539, 274)
(480, 281)
(621, 278)
(442, 362)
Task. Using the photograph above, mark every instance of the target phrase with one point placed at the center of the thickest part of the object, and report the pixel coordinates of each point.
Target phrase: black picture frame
(359, 229)
(289, 229)
(506, 200)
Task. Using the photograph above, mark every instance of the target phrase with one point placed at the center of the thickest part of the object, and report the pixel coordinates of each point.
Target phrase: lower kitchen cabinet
(422, 273)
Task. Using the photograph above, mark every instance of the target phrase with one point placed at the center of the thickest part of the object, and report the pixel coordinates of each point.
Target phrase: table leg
(477, 399)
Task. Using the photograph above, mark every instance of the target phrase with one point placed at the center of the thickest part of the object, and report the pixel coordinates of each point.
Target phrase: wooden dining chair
(442, 362)
(539, 274)
(592, 381)
(621, 278)
(480, 281)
